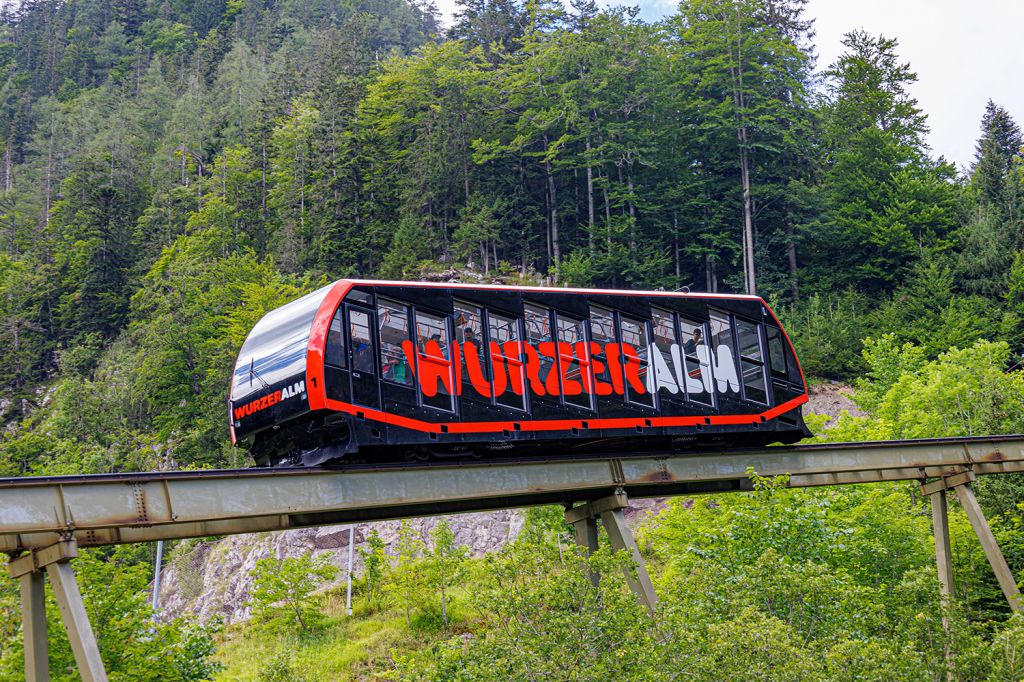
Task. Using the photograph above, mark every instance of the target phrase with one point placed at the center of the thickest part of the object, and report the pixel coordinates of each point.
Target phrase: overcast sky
(965, 52)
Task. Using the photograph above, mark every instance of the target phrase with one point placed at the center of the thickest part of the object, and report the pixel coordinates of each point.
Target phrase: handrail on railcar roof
(548, 290)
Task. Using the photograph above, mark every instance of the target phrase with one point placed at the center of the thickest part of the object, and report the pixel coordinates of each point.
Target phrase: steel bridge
(44, 520)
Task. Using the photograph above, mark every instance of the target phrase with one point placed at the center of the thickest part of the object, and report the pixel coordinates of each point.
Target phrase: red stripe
(561, 424)
(315, 387)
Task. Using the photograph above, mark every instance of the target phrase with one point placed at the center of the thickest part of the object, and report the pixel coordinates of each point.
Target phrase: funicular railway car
(375, 371)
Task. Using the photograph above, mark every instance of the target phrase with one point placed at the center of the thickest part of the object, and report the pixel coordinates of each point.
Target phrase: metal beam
(610, 510)
(622, 540)
(76, 622)
(118, 508)
(943, 555)
(988, 543)
(33, 627)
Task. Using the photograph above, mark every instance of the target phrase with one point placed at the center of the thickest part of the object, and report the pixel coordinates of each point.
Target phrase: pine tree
(1000, 143)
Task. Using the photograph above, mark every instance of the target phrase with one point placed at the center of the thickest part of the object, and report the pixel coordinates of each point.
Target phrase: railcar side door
(362, 349)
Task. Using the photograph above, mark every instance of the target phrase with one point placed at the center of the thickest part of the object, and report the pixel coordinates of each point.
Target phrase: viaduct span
(44, 520)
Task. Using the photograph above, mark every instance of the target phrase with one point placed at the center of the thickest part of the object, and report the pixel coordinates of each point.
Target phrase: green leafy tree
(283, 589)
(445, 559)
(376, 567)
(406, 579)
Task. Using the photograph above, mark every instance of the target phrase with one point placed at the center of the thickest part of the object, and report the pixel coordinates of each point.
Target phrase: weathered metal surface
(76, 622)
(33, 627)
(988, 543)
(117, 508)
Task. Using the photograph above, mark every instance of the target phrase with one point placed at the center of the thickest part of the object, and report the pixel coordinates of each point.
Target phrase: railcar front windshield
(276, 346)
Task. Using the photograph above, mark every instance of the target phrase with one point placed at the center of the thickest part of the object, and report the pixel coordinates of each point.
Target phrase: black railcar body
(375, 371)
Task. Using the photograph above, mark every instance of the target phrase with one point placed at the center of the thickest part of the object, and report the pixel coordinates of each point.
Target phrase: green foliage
(962, 393)
(283, 589)
(406, 580)
(827, 332)
(376, 566)
(445, 561)
(132, 645)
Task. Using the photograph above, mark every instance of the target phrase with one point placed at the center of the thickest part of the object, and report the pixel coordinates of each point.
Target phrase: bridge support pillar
(609, 509)
(28, 569)
(961, 484)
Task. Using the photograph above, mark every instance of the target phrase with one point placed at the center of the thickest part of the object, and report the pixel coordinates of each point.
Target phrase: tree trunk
(607, 218)
(556, 252)
(791, 255)
(743, 140)
(590, 202)
(675, 246)
(444, 606)
(632, 210)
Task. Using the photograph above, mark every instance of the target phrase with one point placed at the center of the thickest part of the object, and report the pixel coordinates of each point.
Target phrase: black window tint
(723, 352)
(753, 382)
(505, 337)
(697, 360)
(538, 331)
(576, 386)
(752, 361)
(602, 332)
(750, 340)
(434, 346)
(663, 373)
(393, 319)
(776, 350)
(469, 332)
(334, 354)
(635, 340)
(359, 341)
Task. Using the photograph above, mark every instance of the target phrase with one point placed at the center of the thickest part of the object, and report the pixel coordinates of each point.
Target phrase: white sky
(965, 52)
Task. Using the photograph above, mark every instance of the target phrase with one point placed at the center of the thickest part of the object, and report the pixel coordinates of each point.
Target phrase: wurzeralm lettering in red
(549, 369)
(268, 400)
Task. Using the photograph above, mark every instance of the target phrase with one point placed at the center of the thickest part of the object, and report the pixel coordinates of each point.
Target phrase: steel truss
(45, 519)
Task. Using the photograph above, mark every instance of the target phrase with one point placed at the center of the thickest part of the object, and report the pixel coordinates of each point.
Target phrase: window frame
(412, 383)
(743, 360)
(520, 362)
(705, 331)
(585, 364)
(446, 321)
(627, 390)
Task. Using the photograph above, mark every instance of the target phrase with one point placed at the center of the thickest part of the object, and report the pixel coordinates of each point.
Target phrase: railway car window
(574, 362)
(752, 362)
(635, 361)
(696, 361)
(723, 353)
(538, 331)
(508, 370)
(334, 354)
(663, 361)
(750, 341)
(434, 362)
(469, 332)
(393, 319)
(359, 338)
(602, 333)
(776, 350)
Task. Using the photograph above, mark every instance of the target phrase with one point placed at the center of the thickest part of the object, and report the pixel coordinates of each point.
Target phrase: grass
(358, 647)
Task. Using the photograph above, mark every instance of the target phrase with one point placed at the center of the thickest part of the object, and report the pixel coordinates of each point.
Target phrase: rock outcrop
(214, 579)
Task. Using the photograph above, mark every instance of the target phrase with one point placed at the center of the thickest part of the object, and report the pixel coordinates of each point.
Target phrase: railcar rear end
(373, 370)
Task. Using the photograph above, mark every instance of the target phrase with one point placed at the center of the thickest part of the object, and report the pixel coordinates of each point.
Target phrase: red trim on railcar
(318, 400)
(548, 290)
(792, 350)
(561, 424)
(316, 390)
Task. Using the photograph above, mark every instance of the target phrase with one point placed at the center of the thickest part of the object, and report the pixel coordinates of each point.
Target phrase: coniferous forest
(170, 170)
